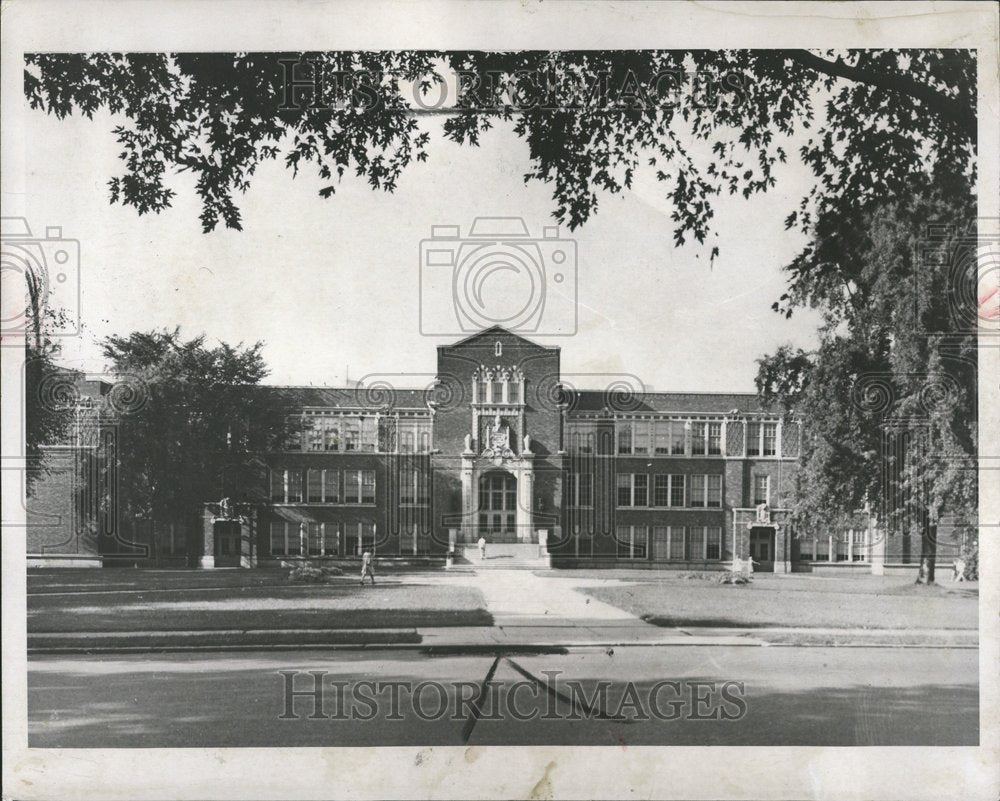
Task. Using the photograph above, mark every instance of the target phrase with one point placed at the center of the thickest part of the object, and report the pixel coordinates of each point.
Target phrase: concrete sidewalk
(537, 636)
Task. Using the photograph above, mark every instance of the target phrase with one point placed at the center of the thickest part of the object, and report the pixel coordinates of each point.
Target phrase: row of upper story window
(674, 438)
(668, 490)
(298, 485)
(365, 434)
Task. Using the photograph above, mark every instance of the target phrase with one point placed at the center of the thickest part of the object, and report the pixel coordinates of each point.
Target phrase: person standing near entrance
(367, 568)
(482, 547)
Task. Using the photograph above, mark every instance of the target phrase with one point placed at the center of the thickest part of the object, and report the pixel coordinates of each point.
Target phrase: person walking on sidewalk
(482, 548)
(367, 568)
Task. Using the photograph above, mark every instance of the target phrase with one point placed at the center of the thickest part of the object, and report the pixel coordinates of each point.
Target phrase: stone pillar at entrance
(248, 554)
(469, 500)
(525, 495)
(208, 539)
(781, 548)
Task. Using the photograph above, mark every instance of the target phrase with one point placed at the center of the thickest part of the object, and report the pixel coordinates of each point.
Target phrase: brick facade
(492, 448)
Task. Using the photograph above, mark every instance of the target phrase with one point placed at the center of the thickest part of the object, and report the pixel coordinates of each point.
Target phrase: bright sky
(333, 285)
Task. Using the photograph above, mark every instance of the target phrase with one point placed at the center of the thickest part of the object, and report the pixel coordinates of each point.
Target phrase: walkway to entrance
(521, 597)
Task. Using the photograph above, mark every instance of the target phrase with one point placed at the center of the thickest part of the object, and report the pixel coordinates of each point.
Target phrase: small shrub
(332, 570)
(732, 577)
(307, 574)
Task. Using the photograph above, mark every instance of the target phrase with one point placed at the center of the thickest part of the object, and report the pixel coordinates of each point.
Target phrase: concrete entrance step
(504, 556)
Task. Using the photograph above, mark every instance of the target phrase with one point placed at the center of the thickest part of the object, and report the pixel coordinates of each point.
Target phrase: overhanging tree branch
(960, 114)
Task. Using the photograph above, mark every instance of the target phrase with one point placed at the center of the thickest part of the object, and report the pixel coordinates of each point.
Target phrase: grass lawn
(140, 600)
(871, 602)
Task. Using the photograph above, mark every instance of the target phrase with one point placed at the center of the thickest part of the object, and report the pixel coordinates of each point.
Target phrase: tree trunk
(928, 552)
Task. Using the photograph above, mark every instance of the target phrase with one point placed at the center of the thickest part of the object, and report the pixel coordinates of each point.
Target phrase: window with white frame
(761, 489)
(762, 439)
(715, 439)
(286, 538)
(359, 486)
(631, 542)
(668, 543)
(286, 486)
(699, 439)
(696, 542)
(859, 549)
(623, 435)
(322, 539)
(713, 498)
(314, 486)
(331, 486)
(713, 542)
(697, 495)
(633, 489)
(668, 490)
(414, 487)
(807, 549)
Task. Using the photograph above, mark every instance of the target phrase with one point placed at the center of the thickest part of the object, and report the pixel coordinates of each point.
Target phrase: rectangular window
(640, 489)
(513, 391)
(699, 439)
(640, 437)
(369, 434)
(277, 486)
(714, 491)
(331, 434)
(677, 536)
(697, 490)
(352, 486)
(753, 439)
(314, 433)
(631, 542)
(293, 539)
(661, 543)
(662, 437)
(696, 542)
(761, 490)
(677, 490)
(623, 431)
(823, 549)
(314, 486)
(661, 490)
(713, 547)
(841, 541)
(807, 549)
(367, 537)
(770, 434)
(367, 486)
(425, 440)
(406, 442)
(351, 428)
(624, 489)
(331, 486)
(314, 539)
(278, 539)
(677, 437)
(715, 439)
(331, 539)
(294, 486)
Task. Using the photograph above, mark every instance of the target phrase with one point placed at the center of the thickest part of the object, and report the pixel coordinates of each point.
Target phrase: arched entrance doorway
(498, 506)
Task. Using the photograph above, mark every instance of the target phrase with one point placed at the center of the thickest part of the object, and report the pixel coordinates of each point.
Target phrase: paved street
(800, 696)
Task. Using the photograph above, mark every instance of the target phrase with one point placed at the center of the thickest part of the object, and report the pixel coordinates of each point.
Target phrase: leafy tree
(704, 122)
(191, 423)
(50, 397)
(889, 396)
